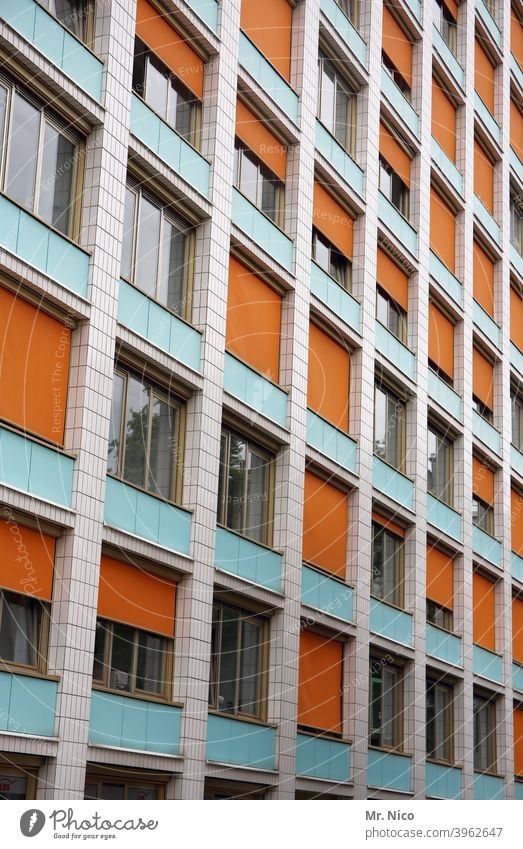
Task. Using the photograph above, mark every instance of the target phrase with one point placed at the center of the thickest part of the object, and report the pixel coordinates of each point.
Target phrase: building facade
(261, 427)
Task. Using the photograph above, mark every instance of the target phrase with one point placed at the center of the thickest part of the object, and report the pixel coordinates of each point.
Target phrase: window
(440, 721)
(516, 223)
(258, 183)
(143, 435)
(391, 315)
(328, 257)
(157, 250)
(239, 642)
(484, 734)
(166, 94)
(130, 660)
(390, 68)
(439, 466)
(116, 788)
(482, 409)
(73, 14)
(349, 8)
(41, 160)
(244, 490)
(389, 427)
(482, 515)
(387, 566)
(337, 103)
(439, 616)
(517, 420)
(16, 783)
(385, 715)
(446, 25)
(21, 622)
(393, 187)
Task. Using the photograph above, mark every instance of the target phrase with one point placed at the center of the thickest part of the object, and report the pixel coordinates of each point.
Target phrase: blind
(129, 594)
(443, 120)
(325, 525)
(394, 154)
(328, 378)
(332, 220)
(484, 612)
(320, 682)
(442, 230)
(440, 577)
(255, 134)
(483, 279)
(441, 340)
(397, 45)
(392, 279)
(482, 379)
(27, 561)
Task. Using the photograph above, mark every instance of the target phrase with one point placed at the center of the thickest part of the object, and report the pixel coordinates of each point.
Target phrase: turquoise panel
(443, 645)
(35, 468)
(518, 790)
(163, 729)
(331, 441)
(399, 103)
(169, 146)
(159, 326)
(390, 622)
(451, 63)
(133, 308)
(415, 8)
(392, 483)
(484, 545)
(389, 771)
(397, 224)
(517, 567)
(345, 29)
(444, 395)
(516, 71)
(486, 433)
(48, 35)
(261, 230)
(247, 559)
(254, 389)
(207, 10)
(68, 264)
(447, 167)
(488, 786)
(335, 297)
(15, 459)
(134, 723)
(106, 719)
(340, 160)
(446, 279)
(485, 323)
(442, 782)
(443, 517)
(516, 164)
(320, 758)
(9, 219)
(27, 704)
(33, 240)
(268, 78)
(487, 664)
(516, 260)
(147, 517)
(397, 353)
(489, 22)
(487, 119)
(516, 358)
(483, 215)
(322, 592)
(128, 723)
(517, 677)
(120, 505)
(174, 527)
(233, 741)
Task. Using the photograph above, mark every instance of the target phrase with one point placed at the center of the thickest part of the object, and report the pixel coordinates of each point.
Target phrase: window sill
(173, 129)
(45, 223)
(35, 437)
(490, 772)
(442, 501)
(250, 720)
(350, 153)
(323, 735)
(163, 306)
(327, 574)
(30, 672)
(391, 604)
(249, 539)
(257, 371)
(386, 750)
(344, 288)
(151, 494)
(394, 468)
(257, 208)
(141, 697)
(441, 762)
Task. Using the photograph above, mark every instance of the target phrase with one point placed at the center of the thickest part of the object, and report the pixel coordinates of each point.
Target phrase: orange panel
(253, 320)
(484, 612)
(483, 177)
(516, 38)
(388, 524)
(482, 481)
(516, 129)
(516, 319)
(328, 378)
(269, 26)
(518, 741)
(325, 524)
(394, 154)
(332, 220)
(517, 629)
(392, 279)
(516, 517)
(397, 45)
(158, 34)
(441, 340)
(484, 76)
(483, 279)
(442, 230)
(320, 682)
(440, 577)
(27, 560)
(443, 120)
(482, 378)
(254, 133)
(128, 594)
(452, 8)
(34, 367)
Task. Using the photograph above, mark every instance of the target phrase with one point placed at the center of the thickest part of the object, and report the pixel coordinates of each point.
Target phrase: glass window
(337, 103)
(387, 566)
(481, 408)
(143, 435)
(237, 667)
(130, 660)
(254, 180)
(446, 25)
(385, 705)
(393, 187)
(439, 721)
(328, 257)
(22, 158)
(156, 251)
(439, 616)
(391, 315)
(389, 427)
(20, 625)
(517, 421)
(439, 466)
(482, 515)
(73, 14)
(516, 225)
(349, 7)
(98, 789)
(390, 68)
(244, 487)
(484, 734)
(13, 786)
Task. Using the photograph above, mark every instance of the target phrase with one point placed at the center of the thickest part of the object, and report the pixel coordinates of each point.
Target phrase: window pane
(56, 179)
(228, 660)
(156, 88)
(146, 263)
(375, 704)
(236, 483)
(136, 427)
(3, 111)
(391, 587)
(215, 648)
(249, 698)
(378, 558)
(257, 498)
(163, 447)
(380, 423)
(321, 252)
(142, 793)
(172, 274)
(73, 15)
(269, 200)
(23, 153)
(438, 467)
(99, 651)
(338, 267)
(122, 658)
(382, 309)
(327, 94)
(150, 663)
(140, 58)
(113, 791)
(341, 129)
(430, 722)
(389, 708)
(222, 482)
(19, 629)
(113, 451)
(249, 177)
(128, 234)
(180, 110)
